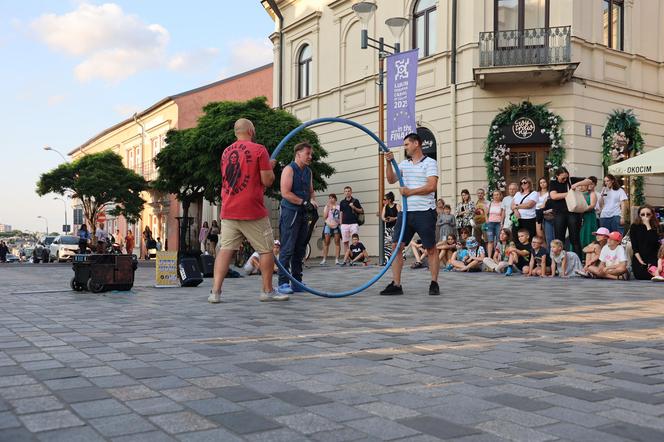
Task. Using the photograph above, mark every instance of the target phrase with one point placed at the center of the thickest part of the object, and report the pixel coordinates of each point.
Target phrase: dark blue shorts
(423, 223)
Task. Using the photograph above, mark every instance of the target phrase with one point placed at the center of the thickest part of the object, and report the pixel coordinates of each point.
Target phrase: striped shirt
(414, 176)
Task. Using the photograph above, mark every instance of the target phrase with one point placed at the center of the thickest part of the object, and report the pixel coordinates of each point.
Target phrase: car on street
(12, 258)
(42, 251)
(63, 248)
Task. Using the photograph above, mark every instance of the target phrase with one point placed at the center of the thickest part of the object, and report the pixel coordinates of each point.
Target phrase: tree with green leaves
(101, 183)
(189, 166)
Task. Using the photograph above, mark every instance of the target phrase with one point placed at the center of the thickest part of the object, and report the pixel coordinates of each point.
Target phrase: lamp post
(56, 151)
(365, 11)
(65, 204)
(44, 218)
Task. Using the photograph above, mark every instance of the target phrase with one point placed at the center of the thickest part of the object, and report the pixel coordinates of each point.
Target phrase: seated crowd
(532, 232)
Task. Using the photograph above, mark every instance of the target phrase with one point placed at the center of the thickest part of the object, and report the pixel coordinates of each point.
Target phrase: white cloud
(194, 60)
(92, 28)
(54, 100)
(248, 54)
(113, 45)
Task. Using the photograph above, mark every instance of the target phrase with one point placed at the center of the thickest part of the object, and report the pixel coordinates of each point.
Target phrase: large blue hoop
(403, 214)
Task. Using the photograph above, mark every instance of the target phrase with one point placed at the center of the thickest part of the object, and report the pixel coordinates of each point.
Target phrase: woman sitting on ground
(644, 234)
(447, 248)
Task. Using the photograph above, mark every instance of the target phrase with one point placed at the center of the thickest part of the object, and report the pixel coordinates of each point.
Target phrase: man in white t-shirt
(506, 204)
(420, 177)
(613, 260)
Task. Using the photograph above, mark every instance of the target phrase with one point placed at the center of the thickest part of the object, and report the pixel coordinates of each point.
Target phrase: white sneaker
(581, 273)
(337, 262)
(657, 278)
(273, 296)
(214, 298)
(323, 262)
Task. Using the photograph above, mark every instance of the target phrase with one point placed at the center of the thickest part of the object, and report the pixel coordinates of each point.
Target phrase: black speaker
(207, 265)
(190, 275)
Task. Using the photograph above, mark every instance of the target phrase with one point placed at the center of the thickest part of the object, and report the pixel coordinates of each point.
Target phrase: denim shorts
(328, 231)
(493, 231)
(421, 222)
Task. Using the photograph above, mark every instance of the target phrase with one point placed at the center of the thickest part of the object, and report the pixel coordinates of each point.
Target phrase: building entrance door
(526, 161)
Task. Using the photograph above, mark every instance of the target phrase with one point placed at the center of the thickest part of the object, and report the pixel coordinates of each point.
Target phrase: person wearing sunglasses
(644, 234)
(524, 206)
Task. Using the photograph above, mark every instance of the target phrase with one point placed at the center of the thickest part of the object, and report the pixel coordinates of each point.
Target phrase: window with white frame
(613, 24)
(425, 27)
(304, 72)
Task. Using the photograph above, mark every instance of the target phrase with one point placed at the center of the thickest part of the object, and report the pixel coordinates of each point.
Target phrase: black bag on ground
(207, 265)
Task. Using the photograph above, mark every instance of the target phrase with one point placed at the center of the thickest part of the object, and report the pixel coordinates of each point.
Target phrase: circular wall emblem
(523, 128)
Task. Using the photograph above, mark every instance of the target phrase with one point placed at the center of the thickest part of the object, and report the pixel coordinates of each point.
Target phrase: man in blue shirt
(420, 176)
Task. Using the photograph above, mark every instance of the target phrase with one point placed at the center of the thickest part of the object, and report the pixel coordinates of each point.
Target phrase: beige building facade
(584, 58)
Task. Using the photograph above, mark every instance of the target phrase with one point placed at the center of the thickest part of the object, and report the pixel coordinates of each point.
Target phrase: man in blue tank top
(297, 197)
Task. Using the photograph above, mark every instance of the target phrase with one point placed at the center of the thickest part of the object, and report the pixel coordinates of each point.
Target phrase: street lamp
(65, 204)
(56, 151)
(44, 218)
(364, 12)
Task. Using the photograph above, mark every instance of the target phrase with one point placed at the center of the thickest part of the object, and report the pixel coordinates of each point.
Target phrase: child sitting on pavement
(501, 259)
(593, 249)
(447, 248)
(658, 272)
(357, 254)
(563, 263)
(252, 266)
(419, 252)
(520, 253)
(539, 258)
(613, 260)
(471, 260)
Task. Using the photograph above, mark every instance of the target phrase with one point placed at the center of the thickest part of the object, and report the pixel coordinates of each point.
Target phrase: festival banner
(166, 267)
(401, 89)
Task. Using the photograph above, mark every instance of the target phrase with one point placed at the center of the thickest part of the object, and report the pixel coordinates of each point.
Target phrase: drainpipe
(280, 85)
(453, 103)
(139, 237)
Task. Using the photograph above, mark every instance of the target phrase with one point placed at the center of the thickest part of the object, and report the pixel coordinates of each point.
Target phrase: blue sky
(73, 68)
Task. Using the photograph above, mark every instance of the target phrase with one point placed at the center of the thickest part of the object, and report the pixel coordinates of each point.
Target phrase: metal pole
(381, 163)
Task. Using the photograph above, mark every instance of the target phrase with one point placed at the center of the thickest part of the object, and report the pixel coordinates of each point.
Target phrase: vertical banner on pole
(401, 90)
(166, 272)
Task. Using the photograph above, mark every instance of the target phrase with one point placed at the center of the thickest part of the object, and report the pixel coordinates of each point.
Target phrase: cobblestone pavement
(492, 358)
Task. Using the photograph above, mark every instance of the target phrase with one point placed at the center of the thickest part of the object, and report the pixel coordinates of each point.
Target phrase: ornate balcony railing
(147, 170)
(539, 46)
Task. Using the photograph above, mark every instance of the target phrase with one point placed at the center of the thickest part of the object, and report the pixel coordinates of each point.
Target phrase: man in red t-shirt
(246, 170)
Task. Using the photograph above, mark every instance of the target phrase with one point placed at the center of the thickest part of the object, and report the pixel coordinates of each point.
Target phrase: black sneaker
(434, 290)
(392, 290)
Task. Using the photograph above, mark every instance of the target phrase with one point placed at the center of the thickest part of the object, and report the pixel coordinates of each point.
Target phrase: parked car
(42, 251)
(12, 258)
(63, 248)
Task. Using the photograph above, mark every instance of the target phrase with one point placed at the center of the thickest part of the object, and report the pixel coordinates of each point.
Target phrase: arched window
(425, 31)
(304, 74)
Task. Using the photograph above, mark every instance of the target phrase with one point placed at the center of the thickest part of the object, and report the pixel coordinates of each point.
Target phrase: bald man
(246, 170)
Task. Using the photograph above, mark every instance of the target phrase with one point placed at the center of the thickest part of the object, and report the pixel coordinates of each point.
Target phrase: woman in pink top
(495, 219)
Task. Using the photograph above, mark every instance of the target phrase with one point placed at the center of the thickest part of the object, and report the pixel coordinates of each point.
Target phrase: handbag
(576, 202)
(360, 219)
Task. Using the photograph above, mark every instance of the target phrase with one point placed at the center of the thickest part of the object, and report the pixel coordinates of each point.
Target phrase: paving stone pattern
(492, 358)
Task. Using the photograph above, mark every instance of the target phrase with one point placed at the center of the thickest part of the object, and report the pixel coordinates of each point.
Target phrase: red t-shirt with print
(241, 187)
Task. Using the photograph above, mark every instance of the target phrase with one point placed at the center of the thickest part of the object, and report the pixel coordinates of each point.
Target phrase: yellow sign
(166, 274)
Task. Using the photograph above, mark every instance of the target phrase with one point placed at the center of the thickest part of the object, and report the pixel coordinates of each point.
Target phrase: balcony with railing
(539, 54)
(147, 170)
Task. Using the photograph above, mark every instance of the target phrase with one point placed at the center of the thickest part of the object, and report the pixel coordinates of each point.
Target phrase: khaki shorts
(257, 231)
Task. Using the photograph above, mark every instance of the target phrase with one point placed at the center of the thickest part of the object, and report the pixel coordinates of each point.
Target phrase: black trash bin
(99, 273)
